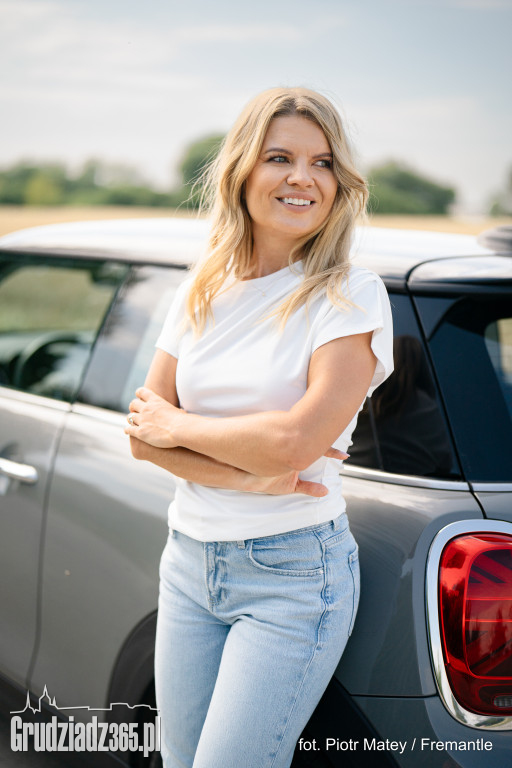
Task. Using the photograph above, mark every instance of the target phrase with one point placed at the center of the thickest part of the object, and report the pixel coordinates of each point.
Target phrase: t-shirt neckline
(267, 280)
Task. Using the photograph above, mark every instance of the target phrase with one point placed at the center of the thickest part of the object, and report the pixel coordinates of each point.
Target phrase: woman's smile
(296, 202)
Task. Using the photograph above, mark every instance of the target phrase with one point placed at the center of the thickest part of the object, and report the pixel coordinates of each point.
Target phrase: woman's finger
(333, 453)
(310, 488)
(135, 406)
(143, 393)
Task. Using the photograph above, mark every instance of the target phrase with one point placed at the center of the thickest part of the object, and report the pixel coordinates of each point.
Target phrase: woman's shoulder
(358, 276)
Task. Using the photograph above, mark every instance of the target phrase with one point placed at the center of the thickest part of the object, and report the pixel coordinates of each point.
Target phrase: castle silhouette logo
(45, 698)
(63, 733)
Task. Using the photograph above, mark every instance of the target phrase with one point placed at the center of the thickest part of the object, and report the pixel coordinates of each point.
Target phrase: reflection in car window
(144, 355)
(402, 428)
(50, 313)
(471, 353)
(126, 344)
(498, 339)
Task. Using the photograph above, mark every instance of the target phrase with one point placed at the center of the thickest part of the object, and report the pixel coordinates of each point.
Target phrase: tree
(41, 189)
(14, 181)
(502, 202)
(196, 157)
(396, 188)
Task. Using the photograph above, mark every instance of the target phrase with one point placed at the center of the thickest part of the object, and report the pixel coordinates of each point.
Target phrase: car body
(82, 525)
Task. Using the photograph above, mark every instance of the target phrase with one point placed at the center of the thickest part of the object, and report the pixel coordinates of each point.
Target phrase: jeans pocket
(294, 554)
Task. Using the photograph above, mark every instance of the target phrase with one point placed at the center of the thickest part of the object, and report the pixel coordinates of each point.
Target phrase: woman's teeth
(296, 201)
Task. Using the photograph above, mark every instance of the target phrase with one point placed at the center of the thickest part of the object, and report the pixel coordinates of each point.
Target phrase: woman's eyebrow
(287, 152)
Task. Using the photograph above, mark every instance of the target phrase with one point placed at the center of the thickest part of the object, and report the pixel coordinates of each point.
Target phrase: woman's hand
(290, 482)
(152, 419)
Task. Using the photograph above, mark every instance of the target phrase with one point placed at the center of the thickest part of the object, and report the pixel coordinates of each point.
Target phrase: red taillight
(475, 604)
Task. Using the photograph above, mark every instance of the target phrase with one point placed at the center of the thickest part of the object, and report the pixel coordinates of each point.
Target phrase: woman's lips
(297, 203)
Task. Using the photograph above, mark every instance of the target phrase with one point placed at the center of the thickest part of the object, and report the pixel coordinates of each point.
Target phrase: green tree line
(395, 188)
(28, 183)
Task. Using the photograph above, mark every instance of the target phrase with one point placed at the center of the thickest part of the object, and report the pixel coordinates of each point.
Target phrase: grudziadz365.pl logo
(79, 732)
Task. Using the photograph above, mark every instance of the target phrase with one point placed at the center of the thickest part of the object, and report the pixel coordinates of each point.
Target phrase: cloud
(53, 49)
(54, 55)
(450, 139)
(483, 5)
(235, 33)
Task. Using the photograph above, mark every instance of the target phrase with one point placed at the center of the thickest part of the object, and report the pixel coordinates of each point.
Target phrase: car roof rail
(498, 239)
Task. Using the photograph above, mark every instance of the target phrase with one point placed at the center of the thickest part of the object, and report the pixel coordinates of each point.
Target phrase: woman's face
(291, 189)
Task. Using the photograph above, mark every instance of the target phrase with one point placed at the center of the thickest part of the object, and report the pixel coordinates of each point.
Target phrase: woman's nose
(300, 174)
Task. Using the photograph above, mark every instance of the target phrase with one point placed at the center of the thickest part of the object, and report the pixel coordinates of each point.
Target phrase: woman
(264, 361)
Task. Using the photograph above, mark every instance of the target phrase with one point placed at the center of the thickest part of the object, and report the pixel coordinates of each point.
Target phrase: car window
(50, 313)
(402, 427)
(498, 340)
(471, 349)
(126, 344)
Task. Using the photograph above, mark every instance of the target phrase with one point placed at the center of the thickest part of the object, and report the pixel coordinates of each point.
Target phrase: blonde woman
(263, 363)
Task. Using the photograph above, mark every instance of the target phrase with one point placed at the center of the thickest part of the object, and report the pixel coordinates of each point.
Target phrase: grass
(13, 217)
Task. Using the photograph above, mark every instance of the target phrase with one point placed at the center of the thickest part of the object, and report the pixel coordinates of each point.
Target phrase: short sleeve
(372, 313)
(172, 329)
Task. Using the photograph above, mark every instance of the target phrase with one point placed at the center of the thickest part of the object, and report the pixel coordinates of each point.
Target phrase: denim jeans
(249, 634)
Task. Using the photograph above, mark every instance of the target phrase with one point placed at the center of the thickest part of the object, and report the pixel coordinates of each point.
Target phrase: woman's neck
(268, 258)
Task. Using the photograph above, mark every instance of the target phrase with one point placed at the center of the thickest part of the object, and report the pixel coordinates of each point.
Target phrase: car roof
(397, 255)
(160, 240)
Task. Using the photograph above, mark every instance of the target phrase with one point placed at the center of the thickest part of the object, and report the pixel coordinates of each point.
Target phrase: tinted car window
(498, 340)
(127, 342)
(50, 313)
(470, 347)
(402, 428)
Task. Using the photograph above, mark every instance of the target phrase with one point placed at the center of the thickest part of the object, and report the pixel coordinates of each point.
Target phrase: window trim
(380, 476)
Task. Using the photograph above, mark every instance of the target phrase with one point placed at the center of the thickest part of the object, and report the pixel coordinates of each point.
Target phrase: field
(19, 217)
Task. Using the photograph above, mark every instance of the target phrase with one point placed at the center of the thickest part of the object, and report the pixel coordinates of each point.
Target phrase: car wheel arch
(132, 679)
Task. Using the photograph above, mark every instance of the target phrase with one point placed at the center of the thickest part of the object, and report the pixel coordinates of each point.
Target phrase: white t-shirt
(245, 364)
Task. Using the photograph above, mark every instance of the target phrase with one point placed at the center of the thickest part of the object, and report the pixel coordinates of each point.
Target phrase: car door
(107, 513)
(50, 312)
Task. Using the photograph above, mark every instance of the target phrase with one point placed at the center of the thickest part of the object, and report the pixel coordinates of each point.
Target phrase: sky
(426, 82)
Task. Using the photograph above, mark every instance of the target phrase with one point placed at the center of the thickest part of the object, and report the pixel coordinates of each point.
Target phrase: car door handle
(22, 472)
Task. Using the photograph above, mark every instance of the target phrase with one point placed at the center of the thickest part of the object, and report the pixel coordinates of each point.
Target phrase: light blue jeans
(249, 634)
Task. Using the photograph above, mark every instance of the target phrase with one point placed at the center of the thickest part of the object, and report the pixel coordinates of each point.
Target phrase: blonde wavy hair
(324, 252)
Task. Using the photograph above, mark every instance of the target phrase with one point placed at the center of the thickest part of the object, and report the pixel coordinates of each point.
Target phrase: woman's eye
(278, 159)
(324, 163)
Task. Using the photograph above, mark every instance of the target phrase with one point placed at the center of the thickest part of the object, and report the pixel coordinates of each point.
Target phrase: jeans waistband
(333, 525)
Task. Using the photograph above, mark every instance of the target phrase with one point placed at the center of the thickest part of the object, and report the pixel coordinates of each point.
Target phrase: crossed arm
(258, 452)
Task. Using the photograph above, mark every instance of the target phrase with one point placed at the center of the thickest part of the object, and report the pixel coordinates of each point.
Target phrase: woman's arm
(272, 442)
(196, 467)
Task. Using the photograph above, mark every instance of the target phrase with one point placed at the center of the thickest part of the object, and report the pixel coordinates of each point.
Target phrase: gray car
(426, 678)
